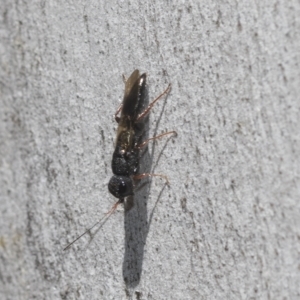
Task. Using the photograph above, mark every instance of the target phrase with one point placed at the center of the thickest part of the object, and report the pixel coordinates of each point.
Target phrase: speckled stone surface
(227, 227)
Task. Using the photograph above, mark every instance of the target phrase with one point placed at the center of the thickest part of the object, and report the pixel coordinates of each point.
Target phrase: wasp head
(120, 186)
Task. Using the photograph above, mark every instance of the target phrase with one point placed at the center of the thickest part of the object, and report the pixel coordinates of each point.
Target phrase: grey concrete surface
(228, 226)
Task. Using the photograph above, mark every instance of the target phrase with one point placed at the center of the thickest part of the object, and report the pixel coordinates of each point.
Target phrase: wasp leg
(154, 138)
(146, 111)
(143, 175)
(124, 78)
(117, 112)
(114, 207)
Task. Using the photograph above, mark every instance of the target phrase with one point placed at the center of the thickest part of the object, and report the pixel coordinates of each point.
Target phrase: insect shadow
(137, 221)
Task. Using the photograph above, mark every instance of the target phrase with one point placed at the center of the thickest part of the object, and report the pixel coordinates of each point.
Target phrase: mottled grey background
(228, 227)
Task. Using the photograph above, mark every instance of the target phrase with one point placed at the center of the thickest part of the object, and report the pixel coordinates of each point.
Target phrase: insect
(125, 160)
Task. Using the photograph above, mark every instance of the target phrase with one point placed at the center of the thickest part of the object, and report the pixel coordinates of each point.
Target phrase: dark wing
(130, 82)
(133, 90)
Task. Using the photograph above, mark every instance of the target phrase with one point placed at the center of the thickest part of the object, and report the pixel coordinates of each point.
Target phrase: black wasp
(125, 160)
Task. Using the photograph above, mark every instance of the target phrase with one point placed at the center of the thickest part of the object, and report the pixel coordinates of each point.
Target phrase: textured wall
(228, 226)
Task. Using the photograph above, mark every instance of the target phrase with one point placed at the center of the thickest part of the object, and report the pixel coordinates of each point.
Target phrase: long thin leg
(117, 112)
(146, 111)
(154, 138)
(121, 105)
(143, 175)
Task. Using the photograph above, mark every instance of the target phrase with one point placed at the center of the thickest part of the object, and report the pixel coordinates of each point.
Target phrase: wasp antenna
(66, 248)
(105, 218)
